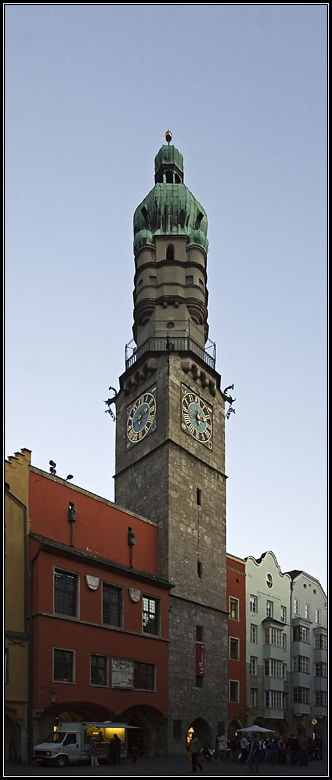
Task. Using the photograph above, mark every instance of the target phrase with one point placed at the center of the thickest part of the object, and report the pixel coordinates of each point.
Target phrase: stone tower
(170, 445)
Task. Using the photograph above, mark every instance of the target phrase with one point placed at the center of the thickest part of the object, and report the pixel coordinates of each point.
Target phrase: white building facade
(309, 655)
(268, 615)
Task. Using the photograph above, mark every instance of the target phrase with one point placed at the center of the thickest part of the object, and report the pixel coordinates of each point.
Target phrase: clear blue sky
(90, 92)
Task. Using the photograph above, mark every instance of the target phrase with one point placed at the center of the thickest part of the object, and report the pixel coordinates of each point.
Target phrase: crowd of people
(255, 750)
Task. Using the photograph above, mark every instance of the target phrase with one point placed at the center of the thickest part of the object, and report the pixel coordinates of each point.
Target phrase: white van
(70, 742)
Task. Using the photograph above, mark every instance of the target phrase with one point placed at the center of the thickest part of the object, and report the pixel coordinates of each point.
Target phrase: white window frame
(236, 602)
(253, 633)
(253, 665)
(253, 604)
(253, 697)
(269, 609)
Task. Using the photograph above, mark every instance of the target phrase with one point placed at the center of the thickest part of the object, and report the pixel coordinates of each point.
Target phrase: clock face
(196, 417)
(141, 417)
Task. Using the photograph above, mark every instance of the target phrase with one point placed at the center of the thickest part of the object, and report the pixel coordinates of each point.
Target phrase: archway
(68, 712)
(233, 726)
(203, 731)
(12, 741)
(151, 738)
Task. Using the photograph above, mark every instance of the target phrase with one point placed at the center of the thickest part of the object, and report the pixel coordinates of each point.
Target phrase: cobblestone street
(172, 767)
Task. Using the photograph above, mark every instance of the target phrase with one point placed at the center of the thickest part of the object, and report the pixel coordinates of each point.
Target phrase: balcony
(170, 343)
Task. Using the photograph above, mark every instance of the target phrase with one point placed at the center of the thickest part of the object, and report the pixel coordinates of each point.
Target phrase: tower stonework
(170, 446)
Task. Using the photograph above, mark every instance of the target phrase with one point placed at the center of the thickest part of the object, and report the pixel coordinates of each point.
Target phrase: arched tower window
(169, 177)
(170, 252)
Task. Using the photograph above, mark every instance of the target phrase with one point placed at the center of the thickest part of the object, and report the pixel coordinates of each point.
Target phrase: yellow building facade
(16, 636)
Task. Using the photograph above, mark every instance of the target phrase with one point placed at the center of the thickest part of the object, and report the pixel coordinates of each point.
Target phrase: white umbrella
(253, 729)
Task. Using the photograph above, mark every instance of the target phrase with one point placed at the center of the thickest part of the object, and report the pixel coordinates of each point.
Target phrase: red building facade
(99, 613)
(236, 600)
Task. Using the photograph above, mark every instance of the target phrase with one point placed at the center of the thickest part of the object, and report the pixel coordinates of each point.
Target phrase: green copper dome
(168, 154)
(170, 208)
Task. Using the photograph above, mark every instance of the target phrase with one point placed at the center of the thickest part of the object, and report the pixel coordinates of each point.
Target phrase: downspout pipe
(30, 680)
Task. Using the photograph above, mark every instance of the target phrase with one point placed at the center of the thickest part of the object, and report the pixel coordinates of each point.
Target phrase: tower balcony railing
(170, 344)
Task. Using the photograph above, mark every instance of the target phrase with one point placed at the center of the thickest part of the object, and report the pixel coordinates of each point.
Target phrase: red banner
(199, 659)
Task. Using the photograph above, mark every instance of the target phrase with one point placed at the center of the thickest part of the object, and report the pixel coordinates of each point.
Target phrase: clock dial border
(190, 423)
(134, 415)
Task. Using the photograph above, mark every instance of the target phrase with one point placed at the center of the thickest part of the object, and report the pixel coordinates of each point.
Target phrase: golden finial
(168, 136)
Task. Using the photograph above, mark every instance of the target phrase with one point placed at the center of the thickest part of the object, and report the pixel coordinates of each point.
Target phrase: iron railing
(170, 344)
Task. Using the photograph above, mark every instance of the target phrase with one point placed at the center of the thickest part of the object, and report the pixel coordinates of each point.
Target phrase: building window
(276, 637)
(274, 700)
(144, 676)
(199, 633)
(139, 285)
(150, 615)
(274, 668)
(199, 497)
(320, 642)
(269, 580)
(201, 284)
(317, 617)
(234, 609)
(233, 691)
(253, 697)
(301, 695)
(112, 605)
(189, 281)
(99, 670)
(253, 603)
(253, 633)
(300, 634)
(234, 649)
(199, 569)
(269, 609)
(170, 252)
(301, 664)
(307, 611)
(296, 606)
(253, 665)
(63, 665)
(321, 698)
(65, 593)
(153, 281)
(321, 669)
(283, 614)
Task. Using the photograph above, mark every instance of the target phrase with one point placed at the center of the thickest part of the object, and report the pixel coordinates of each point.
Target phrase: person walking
(275, 751)
(253, 764)
(304, 750)
(93, 752)
(195, 749)
(244, 744)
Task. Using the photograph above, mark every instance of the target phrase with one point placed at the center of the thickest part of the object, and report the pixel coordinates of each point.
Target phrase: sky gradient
(89, 92)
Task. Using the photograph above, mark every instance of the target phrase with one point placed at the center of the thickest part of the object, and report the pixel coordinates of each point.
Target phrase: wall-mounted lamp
(53, 696)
